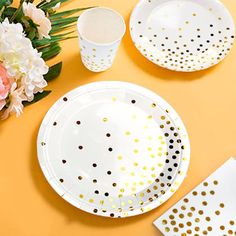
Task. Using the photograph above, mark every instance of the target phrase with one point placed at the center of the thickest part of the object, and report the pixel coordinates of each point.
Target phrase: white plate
(182, 35)
(113, 149)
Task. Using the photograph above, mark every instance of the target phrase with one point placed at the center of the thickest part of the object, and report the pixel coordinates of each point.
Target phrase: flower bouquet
(29, 36)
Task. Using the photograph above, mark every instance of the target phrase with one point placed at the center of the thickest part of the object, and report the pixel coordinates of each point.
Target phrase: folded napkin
(209, 209)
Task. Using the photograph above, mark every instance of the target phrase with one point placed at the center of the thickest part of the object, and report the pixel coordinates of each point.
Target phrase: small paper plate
(182, 35)
(113, 149)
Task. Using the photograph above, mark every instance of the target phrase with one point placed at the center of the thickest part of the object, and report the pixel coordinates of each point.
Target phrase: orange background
(205, 100)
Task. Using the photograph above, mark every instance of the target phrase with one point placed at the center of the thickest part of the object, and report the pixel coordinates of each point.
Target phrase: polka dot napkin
(210, 209)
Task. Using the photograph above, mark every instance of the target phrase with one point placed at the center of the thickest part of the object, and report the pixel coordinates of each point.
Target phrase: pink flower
(4, 86)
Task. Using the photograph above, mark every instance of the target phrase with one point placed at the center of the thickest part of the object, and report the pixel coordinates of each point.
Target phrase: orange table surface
(205, 100)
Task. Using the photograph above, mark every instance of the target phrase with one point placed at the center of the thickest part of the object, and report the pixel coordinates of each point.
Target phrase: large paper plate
(113, 149)
(182, 35)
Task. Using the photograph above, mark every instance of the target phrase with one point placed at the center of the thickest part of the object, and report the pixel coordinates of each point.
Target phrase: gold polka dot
(119, 157)
(190, 214)
(231, 222)
(192, 208)
(222, 205)
(222, 227)
(91, 200)
(175, 210)
(209, 228)
(104, 119)
(181, 225)
(127, 133)
(81, 196)
(135, 151)
(212, 192)
(164, 222)
(215, 182)
(176, 229)
(189, 231)
(173, 222)
(217, 213)
(167, 229)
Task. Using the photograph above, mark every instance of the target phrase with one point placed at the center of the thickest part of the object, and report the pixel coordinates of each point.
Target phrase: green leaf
(32, 33)
(68, 20)
(38, 97)
(50, 51)
(5, 3)
(9, 12)
(54, 72)
(54, 39)
(67, 13)
(61, 28)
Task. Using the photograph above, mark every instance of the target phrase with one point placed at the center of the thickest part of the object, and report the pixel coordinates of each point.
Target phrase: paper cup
(100, 32)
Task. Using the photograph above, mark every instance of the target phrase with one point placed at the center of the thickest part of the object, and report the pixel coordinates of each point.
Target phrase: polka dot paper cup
(100, 32)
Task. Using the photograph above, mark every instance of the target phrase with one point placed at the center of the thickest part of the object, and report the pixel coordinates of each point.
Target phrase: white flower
(23, 63)
(38, 17)
(16, 98)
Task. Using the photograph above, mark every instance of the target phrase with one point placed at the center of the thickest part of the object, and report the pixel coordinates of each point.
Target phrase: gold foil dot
(176, 229)
(197, 228)
(205, 232)
(181, 216)
(215, 182)
(175, 210)
(167, 229)
(222, 227)
(209, 228)
(183, 208)
(208, 218)
(231, 222)
(203, 193)
(173, 222)
(181, 225)
(222, 205)
(217, 213)
(204, 203)
(164, 222)
(186, 200)
(200, 212)
(212, 192)
(189, 231)
(190, 214)
(205, 184)
(171, 217)
(189, 223)
(195, 193)
(197, 220)
(192, 208)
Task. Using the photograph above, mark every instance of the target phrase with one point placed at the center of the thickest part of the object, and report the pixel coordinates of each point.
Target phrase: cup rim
(102, 44)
